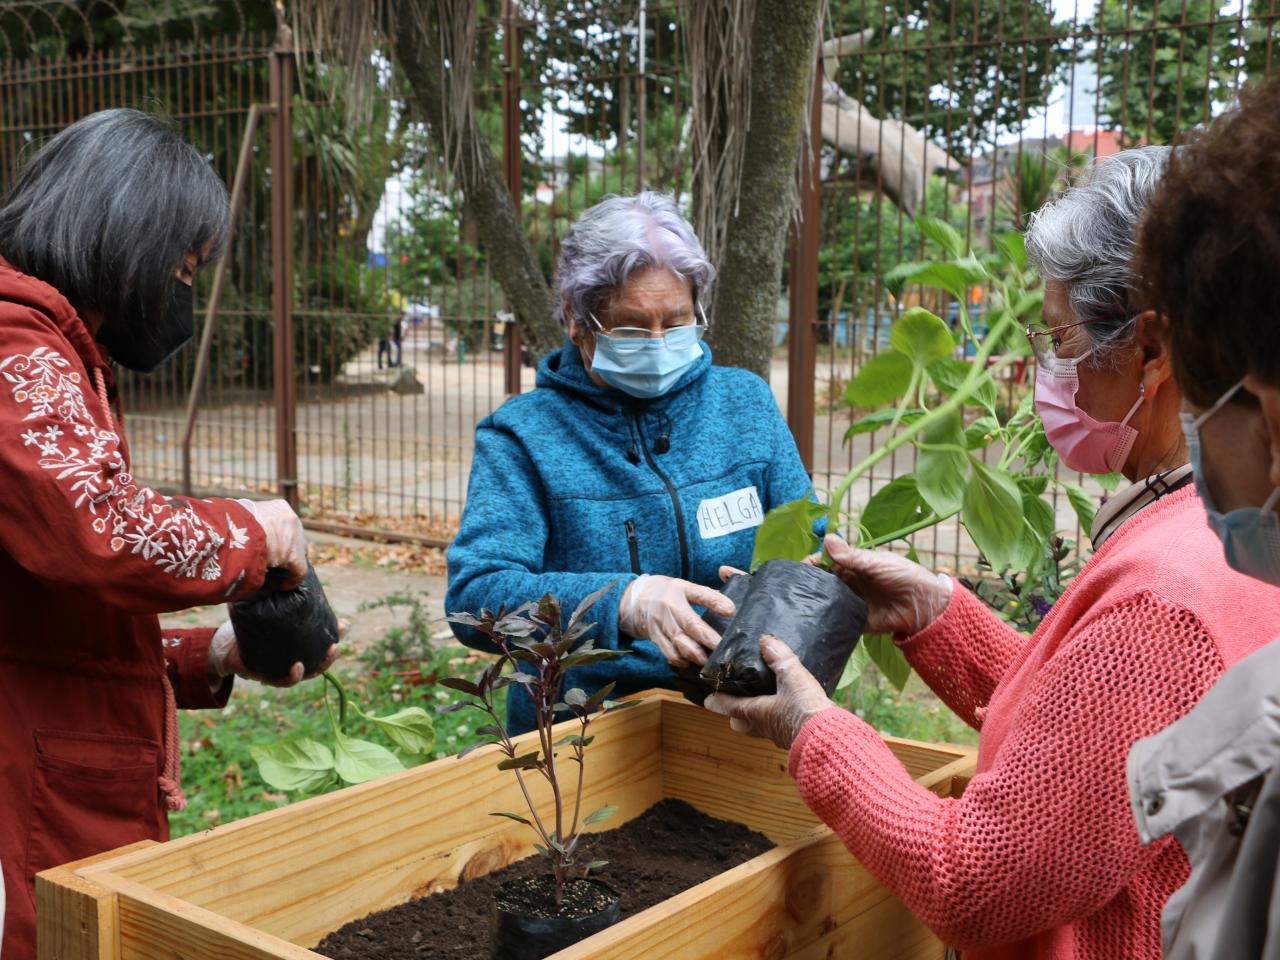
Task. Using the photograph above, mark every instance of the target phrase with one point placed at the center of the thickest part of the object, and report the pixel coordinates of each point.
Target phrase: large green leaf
(1014, 250)
(1082, 504)
(858, 662)
(993, 515)
(882, 418)
(895, 506)
(299, 764)
(943, 234)
(921, 337)
(888, 658)
(955, 278)
(883, 378)
(943, 465)
(787, 532)
(409, 729)
(981, 432)
(948, 375)
(1038, 522)
(359, 760)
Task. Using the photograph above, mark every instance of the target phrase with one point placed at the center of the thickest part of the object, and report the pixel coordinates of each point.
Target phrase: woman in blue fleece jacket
(634, 460)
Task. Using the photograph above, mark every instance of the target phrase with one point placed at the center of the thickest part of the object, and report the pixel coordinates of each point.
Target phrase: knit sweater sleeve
(963, 654)
(1044, 835)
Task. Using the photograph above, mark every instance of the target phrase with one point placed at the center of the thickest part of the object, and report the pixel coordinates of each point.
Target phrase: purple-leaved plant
(535, 651)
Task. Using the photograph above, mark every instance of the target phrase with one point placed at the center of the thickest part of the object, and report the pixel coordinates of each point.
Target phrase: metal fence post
(285, 387)
(803, 318)
(512, 168)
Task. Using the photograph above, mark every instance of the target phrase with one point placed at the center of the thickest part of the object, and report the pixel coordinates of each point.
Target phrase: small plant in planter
(535, 918)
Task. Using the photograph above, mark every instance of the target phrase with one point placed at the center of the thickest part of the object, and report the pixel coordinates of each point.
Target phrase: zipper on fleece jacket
(671, 491)
(633, 546)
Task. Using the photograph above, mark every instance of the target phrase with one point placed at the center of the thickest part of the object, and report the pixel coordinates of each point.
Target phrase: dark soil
(668, 848)
(535, 897)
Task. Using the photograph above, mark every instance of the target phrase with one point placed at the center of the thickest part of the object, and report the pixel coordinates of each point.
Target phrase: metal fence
(312, 389)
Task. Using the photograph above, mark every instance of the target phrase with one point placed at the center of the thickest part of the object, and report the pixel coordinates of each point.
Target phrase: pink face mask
(1083, 443)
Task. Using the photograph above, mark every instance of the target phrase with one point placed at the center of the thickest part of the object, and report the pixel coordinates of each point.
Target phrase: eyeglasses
(1045, 341)
(636, 338)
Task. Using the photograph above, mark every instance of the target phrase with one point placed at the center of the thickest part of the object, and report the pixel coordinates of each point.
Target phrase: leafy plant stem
(907, 531)
(976, 372)
(917, 378)
(342, 699)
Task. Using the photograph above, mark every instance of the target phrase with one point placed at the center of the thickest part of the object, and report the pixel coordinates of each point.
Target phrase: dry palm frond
(356, 34)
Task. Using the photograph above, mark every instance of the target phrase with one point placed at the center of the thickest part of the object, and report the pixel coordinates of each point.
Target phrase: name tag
(721, 516)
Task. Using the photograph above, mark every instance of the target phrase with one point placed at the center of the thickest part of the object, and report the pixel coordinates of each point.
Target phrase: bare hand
(286, 540)
(780, 716)
(903, 596)
(660, 609)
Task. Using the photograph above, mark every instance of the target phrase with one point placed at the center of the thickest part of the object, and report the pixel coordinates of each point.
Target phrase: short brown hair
(1209, 249)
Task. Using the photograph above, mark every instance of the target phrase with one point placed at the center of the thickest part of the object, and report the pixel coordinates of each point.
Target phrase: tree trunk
(487, 199)
(783, 53)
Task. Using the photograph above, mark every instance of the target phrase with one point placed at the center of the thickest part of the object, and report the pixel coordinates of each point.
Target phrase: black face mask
(144, 350)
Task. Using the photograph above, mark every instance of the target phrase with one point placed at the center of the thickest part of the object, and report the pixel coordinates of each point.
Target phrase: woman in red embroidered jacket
(1040, 856)
(99, 239)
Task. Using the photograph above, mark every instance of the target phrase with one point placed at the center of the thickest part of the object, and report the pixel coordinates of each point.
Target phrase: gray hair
(620, 236)
(1087, 239)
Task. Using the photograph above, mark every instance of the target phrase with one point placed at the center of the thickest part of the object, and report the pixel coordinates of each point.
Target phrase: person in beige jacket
(1209, 247)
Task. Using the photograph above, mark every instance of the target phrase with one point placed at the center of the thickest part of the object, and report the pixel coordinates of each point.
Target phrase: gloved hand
(286, 540)
(779, 716)
(224, 659)
(660, 609)
(903, 596)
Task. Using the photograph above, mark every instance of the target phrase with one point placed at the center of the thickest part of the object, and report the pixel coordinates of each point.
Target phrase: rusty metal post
(284, 373)
(512, 168)
(803, 319)
(641, 100)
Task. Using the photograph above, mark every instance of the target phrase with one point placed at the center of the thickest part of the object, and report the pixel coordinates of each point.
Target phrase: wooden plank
(75, 917)
(304, 870)
(153, 924)
(729, 775)
(789, 902)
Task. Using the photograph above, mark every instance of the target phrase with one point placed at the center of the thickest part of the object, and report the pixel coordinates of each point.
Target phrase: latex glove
(779, 716)
(661, 609)
(727, 573)
(224, 659)
(286, 540)
(902, 596)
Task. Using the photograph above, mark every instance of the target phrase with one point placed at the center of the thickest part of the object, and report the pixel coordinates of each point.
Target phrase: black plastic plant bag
(814, 612)
(689, 679)
(276, 628)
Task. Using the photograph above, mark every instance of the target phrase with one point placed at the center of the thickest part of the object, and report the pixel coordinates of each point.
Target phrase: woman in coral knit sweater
(1040, 856)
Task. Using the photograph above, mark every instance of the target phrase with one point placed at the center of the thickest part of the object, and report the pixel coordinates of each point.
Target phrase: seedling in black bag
(535, 651)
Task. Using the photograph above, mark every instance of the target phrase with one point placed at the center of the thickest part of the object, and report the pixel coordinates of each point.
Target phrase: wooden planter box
(272, 885)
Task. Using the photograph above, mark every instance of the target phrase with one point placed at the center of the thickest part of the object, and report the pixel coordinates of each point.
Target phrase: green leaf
(921, 337)
(1082, 504)
(359, 760)
(882, 418)
(955, 278)
(460, 684)
(895, 506)
(300, 764)
(992, 513)
(512, 816)
(409, 729)
(1038, 523)
(604, 813)
(589, 601)
(943, 234)
(980, 433)
(595, 865)
(1109, 482)
(883, 378)
(888, 658)
(600, 695)
(941, 470)
(858, 661)
(577, 697)
(1013, 249)
(787, 532)
(948, 375)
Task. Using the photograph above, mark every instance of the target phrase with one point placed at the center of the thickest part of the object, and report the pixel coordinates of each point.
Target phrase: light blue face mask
(631, 360)
(1251, 535)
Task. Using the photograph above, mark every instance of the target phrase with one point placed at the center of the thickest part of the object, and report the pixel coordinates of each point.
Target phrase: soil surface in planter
(669, 848)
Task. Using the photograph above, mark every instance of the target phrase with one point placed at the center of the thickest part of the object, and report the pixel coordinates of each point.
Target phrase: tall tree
(748, 232)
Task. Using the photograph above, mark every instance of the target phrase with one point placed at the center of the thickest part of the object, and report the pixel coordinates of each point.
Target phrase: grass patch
(914, 714)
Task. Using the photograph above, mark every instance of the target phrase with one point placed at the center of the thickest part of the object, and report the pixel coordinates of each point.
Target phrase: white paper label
(721, 516)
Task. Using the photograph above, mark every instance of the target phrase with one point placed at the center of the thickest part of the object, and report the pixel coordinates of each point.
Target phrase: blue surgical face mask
(644, 366)
(1251, 535)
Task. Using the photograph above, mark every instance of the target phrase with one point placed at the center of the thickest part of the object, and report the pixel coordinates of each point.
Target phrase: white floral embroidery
(169, 533)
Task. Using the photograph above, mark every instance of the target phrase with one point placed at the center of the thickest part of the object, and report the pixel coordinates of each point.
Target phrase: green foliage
(792, 537)
(927, 63)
